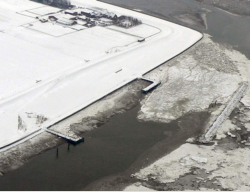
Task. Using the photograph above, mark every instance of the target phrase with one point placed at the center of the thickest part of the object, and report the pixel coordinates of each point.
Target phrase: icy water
(124, 142)
(107, 150)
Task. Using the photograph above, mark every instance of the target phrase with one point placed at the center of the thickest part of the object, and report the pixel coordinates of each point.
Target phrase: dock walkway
(69, 137)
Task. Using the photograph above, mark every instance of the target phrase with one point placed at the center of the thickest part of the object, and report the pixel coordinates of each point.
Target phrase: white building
(105, 21)
(67, 22)
(82, 17)
(74, 12)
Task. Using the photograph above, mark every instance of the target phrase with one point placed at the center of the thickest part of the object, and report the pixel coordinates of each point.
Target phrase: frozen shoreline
(222, 164)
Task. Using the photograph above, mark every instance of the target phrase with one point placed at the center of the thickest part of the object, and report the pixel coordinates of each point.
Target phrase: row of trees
(127, 21)
(56, 3)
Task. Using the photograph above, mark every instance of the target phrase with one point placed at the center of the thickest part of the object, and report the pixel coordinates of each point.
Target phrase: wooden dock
(68, 137)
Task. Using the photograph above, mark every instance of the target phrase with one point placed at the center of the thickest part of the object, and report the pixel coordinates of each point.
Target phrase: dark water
(114, 147)
(110, 149)
(230, 29)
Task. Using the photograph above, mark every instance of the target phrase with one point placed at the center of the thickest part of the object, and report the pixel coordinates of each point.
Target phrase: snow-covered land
(50, 70)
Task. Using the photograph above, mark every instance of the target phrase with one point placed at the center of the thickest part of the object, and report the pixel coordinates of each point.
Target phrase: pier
(152, 86)
(69, 137)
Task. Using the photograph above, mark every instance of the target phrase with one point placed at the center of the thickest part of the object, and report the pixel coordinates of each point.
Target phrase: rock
(199, 159)
(200, 178)
(247, 126)
(1, 174)
(195, 173)
(137, 184)
(191, 140)
(231, 135)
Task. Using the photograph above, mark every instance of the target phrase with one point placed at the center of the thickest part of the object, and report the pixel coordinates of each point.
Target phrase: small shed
(53, 18)
(43, 20)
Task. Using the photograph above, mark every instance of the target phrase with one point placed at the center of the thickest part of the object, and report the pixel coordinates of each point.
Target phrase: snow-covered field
(140, 31)
(49, 29)
(44, 10)
(44, 75)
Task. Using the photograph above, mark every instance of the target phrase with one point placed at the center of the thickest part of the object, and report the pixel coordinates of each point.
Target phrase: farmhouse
(67, 22)
(110, 15)
(97, 14)
(88, 13)
(74, 12)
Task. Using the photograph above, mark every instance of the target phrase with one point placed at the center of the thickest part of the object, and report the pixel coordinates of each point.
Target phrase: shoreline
(195, 177)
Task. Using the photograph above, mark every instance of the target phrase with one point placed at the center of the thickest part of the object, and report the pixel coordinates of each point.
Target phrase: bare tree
(57, 3)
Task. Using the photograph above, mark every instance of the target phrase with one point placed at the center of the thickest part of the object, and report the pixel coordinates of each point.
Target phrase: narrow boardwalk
(226, 112)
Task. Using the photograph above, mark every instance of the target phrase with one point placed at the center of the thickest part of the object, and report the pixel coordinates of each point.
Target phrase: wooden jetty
(68, 137)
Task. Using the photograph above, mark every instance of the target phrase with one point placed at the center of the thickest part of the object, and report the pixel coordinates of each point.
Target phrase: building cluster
(93, 17)
(90, 18)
